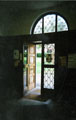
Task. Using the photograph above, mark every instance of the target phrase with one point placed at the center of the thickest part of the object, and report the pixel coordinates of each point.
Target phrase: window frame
(42, 17)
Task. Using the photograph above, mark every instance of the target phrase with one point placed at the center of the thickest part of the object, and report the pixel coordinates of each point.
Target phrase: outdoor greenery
(38, 65)
(39, 54)
(25, 60)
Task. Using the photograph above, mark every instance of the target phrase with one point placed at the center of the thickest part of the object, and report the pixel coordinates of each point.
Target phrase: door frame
(41, 39)
(45, 91)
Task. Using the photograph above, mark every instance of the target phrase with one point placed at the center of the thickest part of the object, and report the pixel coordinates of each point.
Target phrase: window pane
(61, 24)
(49, 78)
(49, 54)
(49, 23)
(38, 27)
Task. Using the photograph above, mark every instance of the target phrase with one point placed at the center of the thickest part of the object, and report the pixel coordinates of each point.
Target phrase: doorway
(32, 69)
(39, 69)
(25, 69)
(38, 65)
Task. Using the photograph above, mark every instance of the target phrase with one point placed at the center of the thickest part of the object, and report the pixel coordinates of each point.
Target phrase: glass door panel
(48, 66)
(49, 54)
(49, 78)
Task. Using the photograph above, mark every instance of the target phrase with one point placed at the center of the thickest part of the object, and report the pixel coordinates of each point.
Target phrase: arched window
(50, 22)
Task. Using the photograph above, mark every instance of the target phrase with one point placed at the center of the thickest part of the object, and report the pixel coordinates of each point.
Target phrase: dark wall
(66, 68)
(10, 75)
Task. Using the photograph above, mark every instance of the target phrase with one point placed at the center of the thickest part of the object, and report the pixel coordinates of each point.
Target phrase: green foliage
(39, 54)
(38, 65)
(25, 60)
(25, 54)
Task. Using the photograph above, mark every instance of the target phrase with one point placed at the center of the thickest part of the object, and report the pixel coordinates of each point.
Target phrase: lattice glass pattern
(49, 23)
(61, 24)
(38, 27)
(49, 78)
(49, 54)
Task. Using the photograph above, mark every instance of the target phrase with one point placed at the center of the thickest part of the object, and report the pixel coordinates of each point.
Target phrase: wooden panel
(31, 67)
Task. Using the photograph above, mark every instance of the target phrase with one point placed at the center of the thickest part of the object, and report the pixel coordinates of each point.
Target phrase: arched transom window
(50, 22)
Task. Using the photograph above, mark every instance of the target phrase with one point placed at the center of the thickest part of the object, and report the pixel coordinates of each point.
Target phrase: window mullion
(56, 24)
(43, 25)
(59, 25)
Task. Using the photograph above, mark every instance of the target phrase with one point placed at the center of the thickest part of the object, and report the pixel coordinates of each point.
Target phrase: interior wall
(65, 72)
(11, 74)
(17, 19)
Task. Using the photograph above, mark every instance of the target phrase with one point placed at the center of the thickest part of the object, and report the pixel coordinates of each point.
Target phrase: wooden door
(31, 66)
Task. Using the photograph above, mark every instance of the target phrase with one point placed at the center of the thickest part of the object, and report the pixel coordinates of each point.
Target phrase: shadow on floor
(35, 95)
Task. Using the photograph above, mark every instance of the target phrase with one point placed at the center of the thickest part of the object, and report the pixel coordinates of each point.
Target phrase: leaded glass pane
(61, 24)
(49, 78)
(49, 23)
(49, 54)
(38, 27)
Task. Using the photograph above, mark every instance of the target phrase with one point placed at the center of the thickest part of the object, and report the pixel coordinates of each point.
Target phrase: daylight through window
(50, 23)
